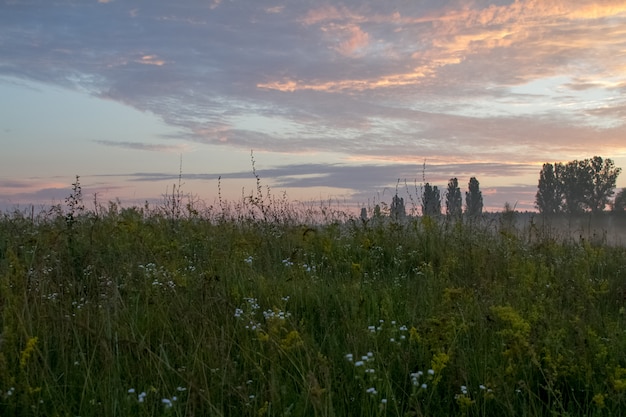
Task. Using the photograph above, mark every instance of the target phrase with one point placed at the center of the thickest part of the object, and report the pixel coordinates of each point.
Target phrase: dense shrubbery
(137, 312)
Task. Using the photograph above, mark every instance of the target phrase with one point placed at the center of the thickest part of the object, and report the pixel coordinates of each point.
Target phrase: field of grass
(139, 312)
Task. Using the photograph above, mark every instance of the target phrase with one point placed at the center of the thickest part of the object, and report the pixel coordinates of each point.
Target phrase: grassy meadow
(259, 309)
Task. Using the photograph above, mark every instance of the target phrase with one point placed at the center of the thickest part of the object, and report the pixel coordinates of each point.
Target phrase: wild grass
(253, 309)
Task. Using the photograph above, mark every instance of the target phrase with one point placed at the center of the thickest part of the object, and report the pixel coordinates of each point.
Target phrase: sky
(347, 101)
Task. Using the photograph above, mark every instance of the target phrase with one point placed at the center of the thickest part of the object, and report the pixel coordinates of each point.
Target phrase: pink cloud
(349, 39)
(536, 30)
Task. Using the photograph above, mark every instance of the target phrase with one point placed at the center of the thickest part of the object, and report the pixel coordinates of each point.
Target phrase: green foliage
(143, 314)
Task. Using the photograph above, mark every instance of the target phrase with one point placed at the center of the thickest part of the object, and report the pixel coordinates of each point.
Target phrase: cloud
(151, 60)
(13, 184)
(328, 13)
(352, 41)
(450, 38)
(144, 146)
(505, 82)
(354, 177)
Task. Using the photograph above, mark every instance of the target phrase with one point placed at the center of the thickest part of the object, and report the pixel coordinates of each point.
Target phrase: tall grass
(256, 309)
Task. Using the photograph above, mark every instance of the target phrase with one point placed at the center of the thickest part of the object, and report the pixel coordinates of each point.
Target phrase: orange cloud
(530, 25)
(392, 80)
(593, 10)
(520, 17)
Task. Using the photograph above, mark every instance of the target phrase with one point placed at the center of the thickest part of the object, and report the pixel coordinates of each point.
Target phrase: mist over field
(605, 228)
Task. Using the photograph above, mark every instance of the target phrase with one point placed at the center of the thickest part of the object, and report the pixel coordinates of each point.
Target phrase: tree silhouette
(604, 175)
(549, 194)
(431, 201)
(576, 183)
(397, 210)
(577, 186)
(454, 200)
(473, 198)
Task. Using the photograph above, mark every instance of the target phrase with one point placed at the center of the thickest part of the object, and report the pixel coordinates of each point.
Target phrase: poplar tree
(454, 200)
(473, 198)
(431, 201)
(549, 195)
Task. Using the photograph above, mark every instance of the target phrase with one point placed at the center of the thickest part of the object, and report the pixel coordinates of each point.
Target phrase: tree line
(574, 187)
(431, 199)
(579, 186)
